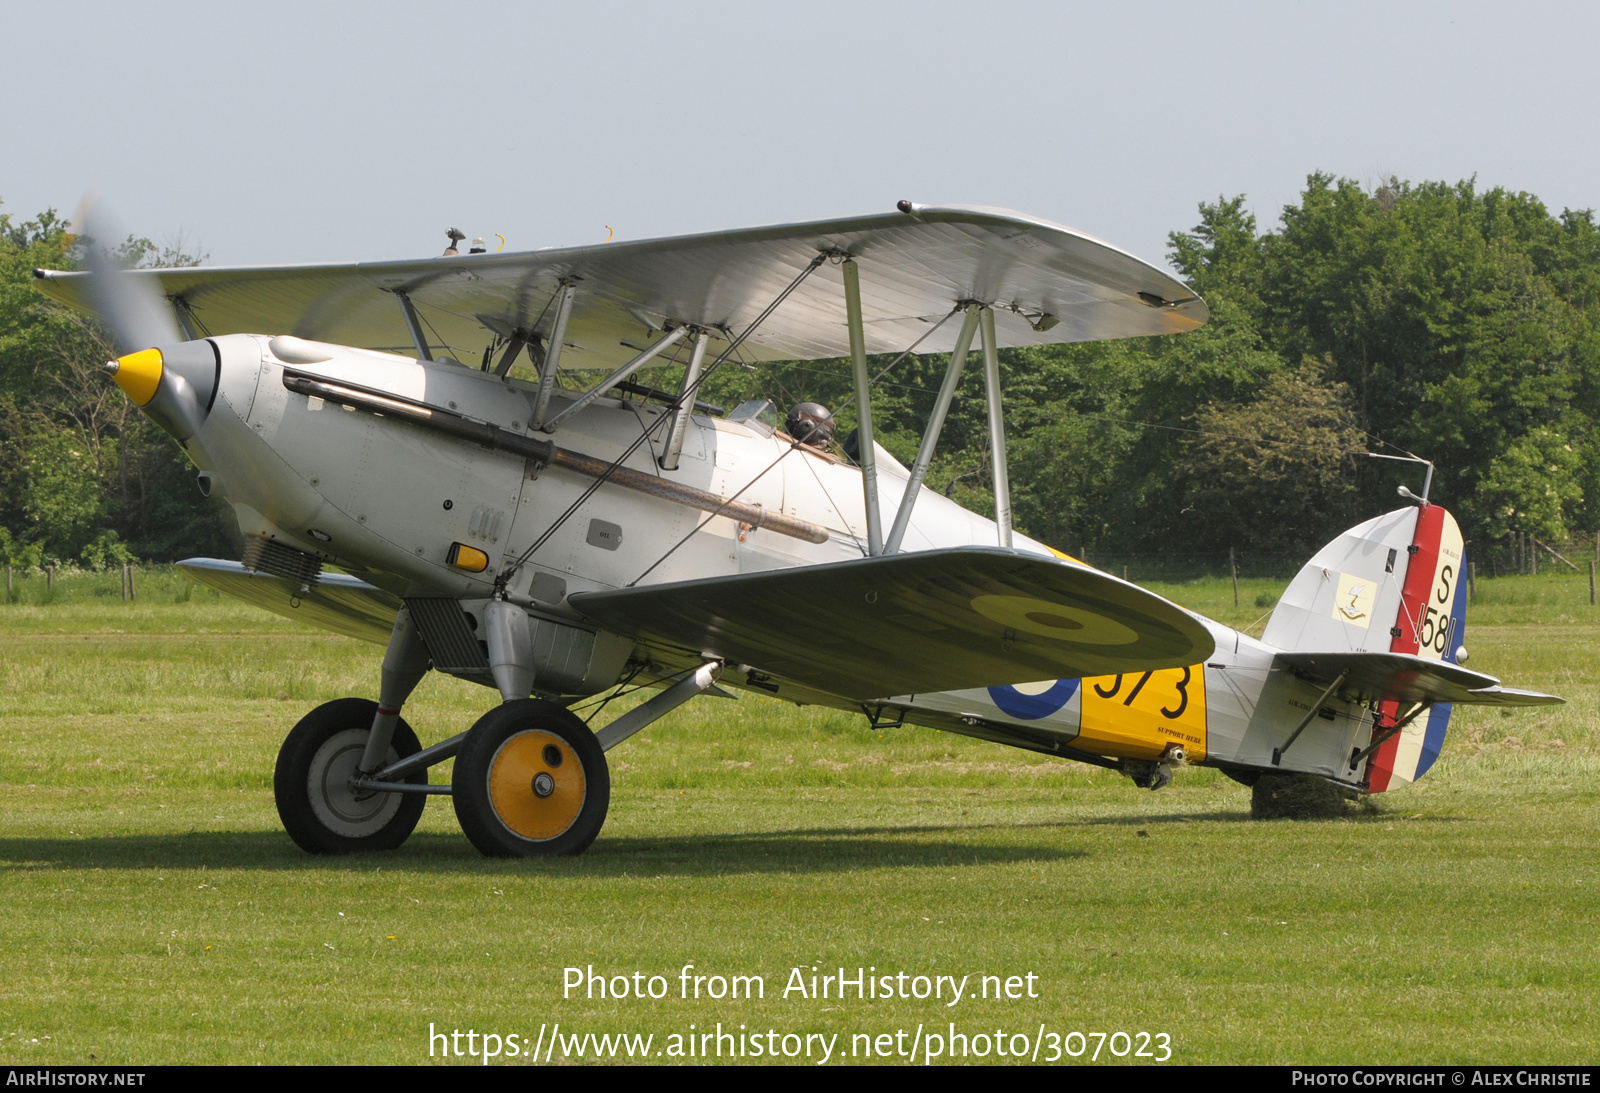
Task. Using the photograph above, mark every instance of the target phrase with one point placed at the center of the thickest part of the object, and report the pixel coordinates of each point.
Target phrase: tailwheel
(1298, 797)
(320, 811)
(531, 782)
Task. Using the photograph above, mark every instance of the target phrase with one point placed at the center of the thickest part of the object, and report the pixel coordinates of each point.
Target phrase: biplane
(561, 530)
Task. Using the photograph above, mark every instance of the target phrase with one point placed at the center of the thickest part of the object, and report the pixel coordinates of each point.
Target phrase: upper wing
(1404, 677)
(937, 620)
(914, 269)
(337, 602)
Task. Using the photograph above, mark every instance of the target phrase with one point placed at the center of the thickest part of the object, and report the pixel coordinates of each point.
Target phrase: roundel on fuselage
(1033, 701)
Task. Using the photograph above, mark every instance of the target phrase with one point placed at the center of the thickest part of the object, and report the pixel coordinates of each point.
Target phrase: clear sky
(335, 131)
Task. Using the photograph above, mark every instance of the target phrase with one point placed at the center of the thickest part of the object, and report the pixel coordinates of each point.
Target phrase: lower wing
(337, 601)
(938, 620)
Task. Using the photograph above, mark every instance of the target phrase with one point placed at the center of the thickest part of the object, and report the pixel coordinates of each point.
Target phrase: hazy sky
(311, 132)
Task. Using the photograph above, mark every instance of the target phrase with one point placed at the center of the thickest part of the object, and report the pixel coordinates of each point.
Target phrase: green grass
(151, 909)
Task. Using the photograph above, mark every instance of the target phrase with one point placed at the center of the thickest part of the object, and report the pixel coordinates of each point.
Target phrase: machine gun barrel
(544, 453)
(754, 515)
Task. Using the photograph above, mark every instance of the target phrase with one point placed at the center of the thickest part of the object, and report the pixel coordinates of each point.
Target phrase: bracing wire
(862, 547)
(617, 692)
(448, 347)
(717, 511)
(913, 348)
(686, 395)
(712, 515)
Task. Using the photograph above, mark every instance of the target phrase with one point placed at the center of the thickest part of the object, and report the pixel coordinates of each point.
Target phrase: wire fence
(1513, 554)
(1191, 566)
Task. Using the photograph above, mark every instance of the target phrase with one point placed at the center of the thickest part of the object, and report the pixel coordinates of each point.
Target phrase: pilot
(810, 423)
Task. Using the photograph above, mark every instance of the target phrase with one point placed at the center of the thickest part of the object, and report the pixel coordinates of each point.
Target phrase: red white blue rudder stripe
(1431, 623)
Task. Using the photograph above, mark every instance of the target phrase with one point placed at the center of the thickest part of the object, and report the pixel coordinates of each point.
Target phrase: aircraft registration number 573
(1156, 709)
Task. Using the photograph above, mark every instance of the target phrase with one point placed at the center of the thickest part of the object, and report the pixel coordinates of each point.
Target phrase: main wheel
(531, 782)
(320, 811)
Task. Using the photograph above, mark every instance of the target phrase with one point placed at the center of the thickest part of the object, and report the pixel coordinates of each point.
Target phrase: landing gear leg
(405, 662)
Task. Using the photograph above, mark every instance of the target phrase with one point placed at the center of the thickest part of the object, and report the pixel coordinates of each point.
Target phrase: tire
(531, 782)
(316, 806)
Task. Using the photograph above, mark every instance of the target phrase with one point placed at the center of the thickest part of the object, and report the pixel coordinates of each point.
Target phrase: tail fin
(1392, 584)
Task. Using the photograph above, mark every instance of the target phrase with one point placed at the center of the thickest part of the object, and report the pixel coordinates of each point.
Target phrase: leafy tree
(1532, 486)
(1274, 473)
(78, 460)
(1452, 315)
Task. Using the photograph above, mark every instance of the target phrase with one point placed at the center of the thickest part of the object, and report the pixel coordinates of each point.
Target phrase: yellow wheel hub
(536, 784)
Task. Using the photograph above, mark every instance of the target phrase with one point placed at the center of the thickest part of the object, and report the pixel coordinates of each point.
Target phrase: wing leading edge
(913, 623)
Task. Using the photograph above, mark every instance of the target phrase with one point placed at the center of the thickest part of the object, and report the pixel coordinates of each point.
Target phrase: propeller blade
(131, 305)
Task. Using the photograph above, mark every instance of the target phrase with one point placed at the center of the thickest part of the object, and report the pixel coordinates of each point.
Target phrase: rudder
(1432, 623)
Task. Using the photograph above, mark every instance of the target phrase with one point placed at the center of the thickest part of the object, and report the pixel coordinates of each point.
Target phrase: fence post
(8, 580)
(124, 582)
(49, 578)
(133, 589)
(1533, 555)
(1124, 572)
(1472, 581)
(1234, 570)
(1591, 582)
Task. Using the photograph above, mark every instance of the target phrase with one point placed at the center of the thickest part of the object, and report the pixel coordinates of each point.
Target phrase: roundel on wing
(1061, 622)
(1032, 701)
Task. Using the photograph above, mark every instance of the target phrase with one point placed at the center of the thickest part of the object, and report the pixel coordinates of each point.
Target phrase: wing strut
(414, 324)
(683, 409)
(1316, 707)
(519, 338)
(644, 357)
(858, 355)
(930, 439)
(997, 428)
(552, 356)
(1381, 738)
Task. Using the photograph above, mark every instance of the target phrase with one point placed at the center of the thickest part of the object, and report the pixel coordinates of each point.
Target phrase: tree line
(85, 477)
(1425, 319)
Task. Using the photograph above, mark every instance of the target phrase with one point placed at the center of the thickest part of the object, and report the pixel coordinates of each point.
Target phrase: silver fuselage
(386, 499)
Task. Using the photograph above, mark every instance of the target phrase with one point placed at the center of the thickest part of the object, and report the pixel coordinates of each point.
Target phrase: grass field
(154, 912)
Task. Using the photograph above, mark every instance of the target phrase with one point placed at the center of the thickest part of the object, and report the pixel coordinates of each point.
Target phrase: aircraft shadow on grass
(803, 851)
(1168, 819)
(795, 850)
